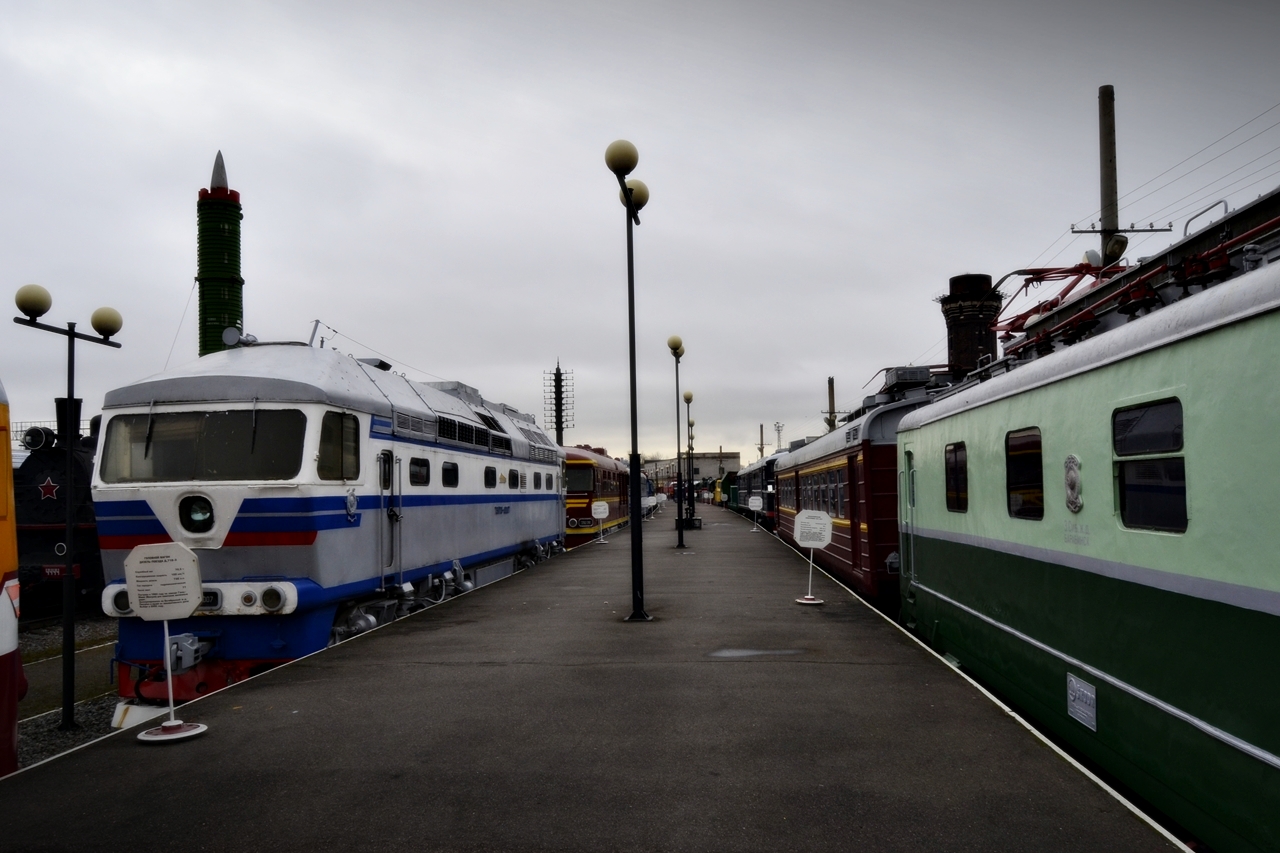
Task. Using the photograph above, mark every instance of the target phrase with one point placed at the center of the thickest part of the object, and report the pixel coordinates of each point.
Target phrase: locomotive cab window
(537, 480)
(449, 474)
(242, 444)
(490, 477)
(578, 479)
(339, 447)
(513, 479)
(1024, 473)
(419, 472)
(957, 471)
(1153, 487)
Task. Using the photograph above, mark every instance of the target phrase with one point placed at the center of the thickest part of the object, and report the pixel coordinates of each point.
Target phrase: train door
(389, 518)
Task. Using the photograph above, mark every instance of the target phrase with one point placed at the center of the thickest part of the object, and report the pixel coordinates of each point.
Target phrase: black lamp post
(34, 301)
(621, 157)
(688, 401)
(677, 351)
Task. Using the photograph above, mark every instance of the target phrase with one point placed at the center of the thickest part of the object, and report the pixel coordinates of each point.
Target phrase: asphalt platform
(528, 716)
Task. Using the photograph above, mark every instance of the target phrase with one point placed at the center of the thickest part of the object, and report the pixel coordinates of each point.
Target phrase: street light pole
(34, 301)
(621, 157)
(677, 350)
(688, 401)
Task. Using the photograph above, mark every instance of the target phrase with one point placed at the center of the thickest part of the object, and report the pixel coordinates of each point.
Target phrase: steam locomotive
(40, 484)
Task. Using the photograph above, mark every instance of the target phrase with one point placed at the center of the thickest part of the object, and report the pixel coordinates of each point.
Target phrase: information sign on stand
(600, 511)
(164, 583)
(755, 503)
(813, 530)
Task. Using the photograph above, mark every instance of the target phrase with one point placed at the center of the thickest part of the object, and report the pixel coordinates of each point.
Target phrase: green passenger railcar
(1096, 533)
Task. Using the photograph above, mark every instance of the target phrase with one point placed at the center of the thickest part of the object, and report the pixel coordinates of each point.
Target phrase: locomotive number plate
(1082, 702)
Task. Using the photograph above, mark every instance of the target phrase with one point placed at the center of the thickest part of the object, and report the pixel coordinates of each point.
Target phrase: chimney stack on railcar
(218, 260)
(970, 309)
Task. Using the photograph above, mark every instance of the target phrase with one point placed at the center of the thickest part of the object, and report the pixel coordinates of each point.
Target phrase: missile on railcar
(218, 217)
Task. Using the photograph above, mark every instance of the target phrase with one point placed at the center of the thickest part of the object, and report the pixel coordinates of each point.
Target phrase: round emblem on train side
(1075, 503)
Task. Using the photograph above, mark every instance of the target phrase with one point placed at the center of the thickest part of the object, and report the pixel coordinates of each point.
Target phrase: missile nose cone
(219, 179)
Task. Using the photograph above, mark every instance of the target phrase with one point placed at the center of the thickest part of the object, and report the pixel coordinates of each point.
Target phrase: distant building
(707, 467)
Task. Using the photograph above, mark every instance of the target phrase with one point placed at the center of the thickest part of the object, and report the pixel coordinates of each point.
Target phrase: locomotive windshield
(257, 444)
(577, 478)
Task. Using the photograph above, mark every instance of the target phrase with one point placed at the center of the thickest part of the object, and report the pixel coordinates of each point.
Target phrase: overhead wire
(178, 331)
(378, 352)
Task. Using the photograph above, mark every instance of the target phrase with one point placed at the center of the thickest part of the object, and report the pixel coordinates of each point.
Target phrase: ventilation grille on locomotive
(415, 426)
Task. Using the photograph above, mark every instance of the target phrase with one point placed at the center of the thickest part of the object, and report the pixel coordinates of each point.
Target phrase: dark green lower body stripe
(1187, 690)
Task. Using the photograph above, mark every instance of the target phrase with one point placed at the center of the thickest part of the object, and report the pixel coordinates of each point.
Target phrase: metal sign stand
(808, 598)
(812, 528)
(171, 729)
(164, 583)
(600, 512)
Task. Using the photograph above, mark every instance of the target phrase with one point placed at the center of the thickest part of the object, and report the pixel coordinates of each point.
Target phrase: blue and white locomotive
(323, 495)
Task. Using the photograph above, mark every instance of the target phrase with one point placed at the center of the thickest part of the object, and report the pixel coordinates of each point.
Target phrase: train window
(339, 447)
(1153, 428)
(551, 482)
(385, 462)
(490, 477)
(449, 474)
(513, 479)
(957, 473)
(419, 472)
(578, 479)
(840, 486)
(1153, 492)
(1024, 473)
(243, 444)
(537, 479)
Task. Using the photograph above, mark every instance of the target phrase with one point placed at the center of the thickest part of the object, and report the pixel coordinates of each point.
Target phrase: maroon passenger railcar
(851, 474)
(590, 475)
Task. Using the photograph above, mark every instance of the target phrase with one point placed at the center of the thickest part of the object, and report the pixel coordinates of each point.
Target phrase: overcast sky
(427, 179)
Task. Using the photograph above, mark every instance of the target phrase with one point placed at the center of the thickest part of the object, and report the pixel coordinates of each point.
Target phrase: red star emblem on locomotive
(48, 489)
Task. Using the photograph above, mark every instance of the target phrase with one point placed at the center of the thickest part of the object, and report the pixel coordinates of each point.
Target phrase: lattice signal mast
(557, 398)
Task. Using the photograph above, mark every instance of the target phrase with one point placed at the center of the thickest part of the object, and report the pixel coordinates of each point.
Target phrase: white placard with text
(163, 581)
(813, 529)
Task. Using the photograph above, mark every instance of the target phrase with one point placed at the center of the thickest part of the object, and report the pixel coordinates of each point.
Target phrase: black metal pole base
(639, 616)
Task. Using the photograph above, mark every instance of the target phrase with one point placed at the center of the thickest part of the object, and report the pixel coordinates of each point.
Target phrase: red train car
(851, 474)
(590, 475)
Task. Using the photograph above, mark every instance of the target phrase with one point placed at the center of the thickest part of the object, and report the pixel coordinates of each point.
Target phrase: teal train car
(1089, 524)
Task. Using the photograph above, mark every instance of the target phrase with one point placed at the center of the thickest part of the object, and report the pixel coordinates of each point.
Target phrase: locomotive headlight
(272, 599)
(195, 512)
(573, 522)
(121, 601)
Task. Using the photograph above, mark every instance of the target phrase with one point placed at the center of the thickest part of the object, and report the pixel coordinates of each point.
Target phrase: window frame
(1027, 510)
(956, 479)
(1129, 462)
(449, 475)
